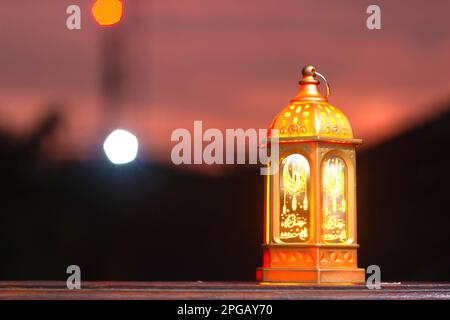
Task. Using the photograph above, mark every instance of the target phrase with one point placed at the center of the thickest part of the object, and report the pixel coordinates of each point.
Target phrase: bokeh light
(107, 12)
(121, 146)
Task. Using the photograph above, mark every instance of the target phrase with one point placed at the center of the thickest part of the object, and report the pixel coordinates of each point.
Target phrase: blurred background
(231, 64)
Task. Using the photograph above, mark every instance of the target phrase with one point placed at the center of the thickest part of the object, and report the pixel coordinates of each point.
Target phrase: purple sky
(232, 64)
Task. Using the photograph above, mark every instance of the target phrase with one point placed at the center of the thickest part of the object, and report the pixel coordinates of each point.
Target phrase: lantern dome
(310, 115)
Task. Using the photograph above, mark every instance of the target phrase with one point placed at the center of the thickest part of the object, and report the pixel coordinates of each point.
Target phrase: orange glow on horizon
(107, 12)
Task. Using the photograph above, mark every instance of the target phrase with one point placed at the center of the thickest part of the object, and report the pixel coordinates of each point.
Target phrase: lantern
(310, 210)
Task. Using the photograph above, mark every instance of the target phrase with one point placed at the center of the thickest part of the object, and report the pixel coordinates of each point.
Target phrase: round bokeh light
(121, 146)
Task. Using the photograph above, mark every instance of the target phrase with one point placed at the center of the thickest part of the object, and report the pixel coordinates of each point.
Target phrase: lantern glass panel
(294, 199)
(334, 200)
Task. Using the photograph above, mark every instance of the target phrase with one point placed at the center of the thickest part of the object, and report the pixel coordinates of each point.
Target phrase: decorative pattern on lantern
(334, 205)
(294, 218)
(310, 211)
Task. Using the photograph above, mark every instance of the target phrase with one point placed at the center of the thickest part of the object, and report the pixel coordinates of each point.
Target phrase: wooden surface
(218, 290)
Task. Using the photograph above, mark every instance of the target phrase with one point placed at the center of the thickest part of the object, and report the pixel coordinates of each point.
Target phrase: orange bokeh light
(107, 12)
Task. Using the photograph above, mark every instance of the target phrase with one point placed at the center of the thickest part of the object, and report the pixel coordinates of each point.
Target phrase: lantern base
(279, 275)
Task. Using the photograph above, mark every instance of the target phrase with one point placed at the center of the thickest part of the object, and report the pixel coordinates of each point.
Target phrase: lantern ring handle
(326, 83)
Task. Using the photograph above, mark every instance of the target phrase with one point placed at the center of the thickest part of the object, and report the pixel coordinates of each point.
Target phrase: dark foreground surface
(31, 290)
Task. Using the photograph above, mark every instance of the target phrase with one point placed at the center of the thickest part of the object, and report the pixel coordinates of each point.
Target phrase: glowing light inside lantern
(334, 185)
(294, 203)
(121, 147)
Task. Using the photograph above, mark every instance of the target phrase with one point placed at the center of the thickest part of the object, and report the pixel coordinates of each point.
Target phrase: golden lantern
(310, 210)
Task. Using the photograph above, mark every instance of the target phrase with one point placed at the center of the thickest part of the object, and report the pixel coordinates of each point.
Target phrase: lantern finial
(308, 70)
(309, 86)
(309, 75)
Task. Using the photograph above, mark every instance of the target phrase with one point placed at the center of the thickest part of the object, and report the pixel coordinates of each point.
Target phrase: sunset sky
(231, 64)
